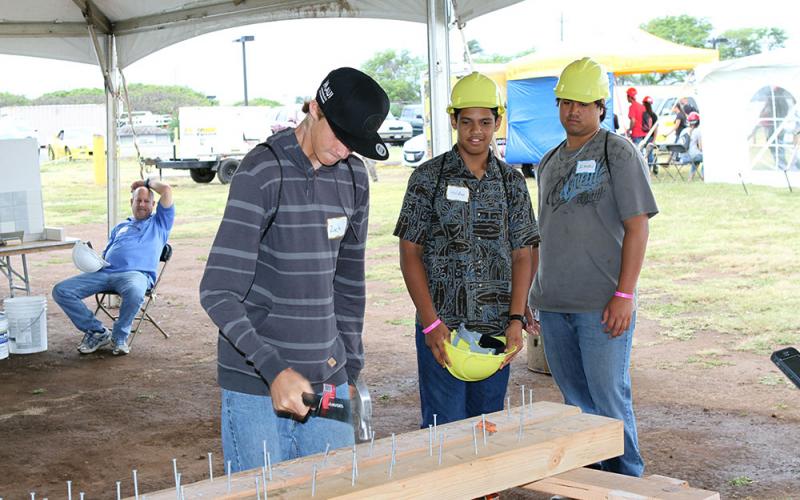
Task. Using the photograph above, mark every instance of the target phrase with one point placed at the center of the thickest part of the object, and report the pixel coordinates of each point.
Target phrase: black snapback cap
(355, 107)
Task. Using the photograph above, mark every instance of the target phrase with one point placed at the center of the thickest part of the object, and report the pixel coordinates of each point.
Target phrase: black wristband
(518, 317)
(147, 183)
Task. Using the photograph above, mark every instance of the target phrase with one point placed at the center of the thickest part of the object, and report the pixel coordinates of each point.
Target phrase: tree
(74, 96)
(398, 73)
(161, 99)
(7, 99)
(683, 29)
(260, 101)
(748, 41)
(500, 58)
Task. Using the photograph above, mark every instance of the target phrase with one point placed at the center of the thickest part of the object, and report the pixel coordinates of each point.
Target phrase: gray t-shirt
(582, 205)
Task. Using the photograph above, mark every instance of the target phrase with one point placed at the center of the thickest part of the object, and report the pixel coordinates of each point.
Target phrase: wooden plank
(556, 438)
(591, 484)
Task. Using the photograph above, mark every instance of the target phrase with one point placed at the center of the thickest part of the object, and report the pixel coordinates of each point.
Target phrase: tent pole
(112, 165)
(439, 75)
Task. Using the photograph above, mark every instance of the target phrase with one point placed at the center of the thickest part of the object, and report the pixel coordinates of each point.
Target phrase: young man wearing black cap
(284, 282)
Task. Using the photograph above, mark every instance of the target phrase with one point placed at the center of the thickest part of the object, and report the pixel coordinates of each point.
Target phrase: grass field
(717, 259)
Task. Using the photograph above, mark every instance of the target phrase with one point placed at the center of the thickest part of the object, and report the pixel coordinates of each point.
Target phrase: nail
(264, 480)
(355, 468)
(119, 493)
(69, 490)
(258, 489)
(178, 487)
(325, 457)
(229, 476)
(441, 447)
(483, 420)
(269, 465)
(508, 406)
(211, 467)
(81, 495)
(264, 443)
(183, 493)
(135, 485)
(475, 439)
(175, 475)
(435, 430)
(430, 440)
(530, 398)
(371, 443)
(394, 448)
(313, 480)
(523, 398)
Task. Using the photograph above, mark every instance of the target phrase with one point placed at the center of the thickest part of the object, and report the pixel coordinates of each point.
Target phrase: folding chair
(149, 296)
(676, 151)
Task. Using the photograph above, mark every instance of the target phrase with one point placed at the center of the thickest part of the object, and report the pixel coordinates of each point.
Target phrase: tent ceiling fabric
(57, 28)
(620, 53)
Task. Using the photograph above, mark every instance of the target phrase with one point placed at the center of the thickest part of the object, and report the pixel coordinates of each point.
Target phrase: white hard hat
(87, 259)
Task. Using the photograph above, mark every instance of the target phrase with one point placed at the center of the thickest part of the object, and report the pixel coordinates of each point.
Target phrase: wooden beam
(590, 484)
(555, 438)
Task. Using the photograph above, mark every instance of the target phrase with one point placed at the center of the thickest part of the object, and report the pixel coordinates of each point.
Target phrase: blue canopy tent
(533, 123)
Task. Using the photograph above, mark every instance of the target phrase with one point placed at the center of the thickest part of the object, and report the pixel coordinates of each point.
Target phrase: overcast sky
(289, 58)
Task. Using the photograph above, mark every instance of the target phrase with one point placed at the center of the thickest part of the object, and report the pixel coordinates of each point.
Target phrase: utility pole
(243, 40)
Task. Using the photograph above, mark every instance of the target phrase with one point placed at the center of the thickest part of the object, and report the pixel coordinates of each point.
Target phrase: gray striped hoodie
(294, 298)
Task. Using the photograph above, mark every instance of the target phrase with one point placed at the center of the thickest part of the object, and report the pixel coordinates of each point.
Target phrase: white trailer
(49, 120)
(212, 140)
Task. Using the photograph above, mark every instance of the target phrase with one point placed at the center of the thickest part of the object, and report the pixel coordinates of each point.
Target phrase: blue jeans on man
(130, 285)
(452, 399)
(248, 420)
(591, 369)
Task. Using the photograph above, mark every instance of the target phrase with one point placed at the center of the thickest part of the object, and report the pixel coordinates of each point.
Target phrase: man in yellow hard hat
(594, 205)
(467, 251)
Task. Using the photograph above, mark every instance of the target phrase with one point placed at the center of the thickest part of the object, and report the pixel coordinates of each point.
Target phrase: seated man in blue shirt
(133, 253)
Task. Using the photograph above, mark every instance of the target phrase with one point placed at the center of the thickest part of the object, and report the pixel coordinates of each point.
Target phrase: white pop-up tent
(115, 33)
(749, 118)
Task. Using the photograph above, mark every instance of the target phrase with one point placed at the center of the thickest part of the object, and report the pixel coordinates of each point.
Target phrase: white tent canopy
(749, 117)
(115, 33)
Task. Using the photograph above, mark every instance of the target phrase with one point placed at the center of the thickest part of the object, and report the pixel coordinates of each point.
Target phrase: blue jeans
(452, 399)
(130, 285)
(592, 371)
(247, 420)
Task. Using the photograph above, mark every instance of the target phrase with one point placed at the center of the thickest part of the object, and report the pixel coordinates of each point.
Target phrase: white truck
(212, 140)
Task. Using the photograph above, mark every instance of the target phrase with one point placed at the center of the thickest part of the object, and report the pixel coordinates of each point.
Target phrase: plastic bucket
(27, 324)
(3, 336)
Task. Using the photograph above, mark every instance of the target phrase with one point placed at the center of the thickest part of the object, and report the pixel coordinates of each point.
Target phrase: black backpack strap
(280, 189)
(438, 182)
(605, 149)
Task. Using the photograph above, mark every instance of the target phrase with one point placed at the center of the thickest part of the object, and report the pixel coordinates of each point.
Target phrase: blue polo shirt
(136, 245)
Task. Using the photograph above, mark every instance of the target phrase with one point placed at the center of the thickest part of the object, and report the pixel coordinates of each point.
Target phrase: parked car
(412, 113)
(73, 143)
(394, 131)
(415, 151)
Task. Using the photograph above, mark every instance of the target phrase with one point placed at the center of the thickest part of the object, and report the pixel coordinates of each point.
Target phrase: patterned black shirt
(468, 244)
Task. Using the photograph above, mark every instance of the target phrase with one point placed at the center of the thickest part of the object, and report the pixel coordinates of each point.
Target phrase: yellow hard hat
(472, 366)
(583, 80)
(476, 90)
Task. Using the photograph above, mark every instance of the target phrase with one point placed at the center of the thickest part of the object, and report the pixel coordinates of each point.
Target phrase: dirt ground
(728, 423)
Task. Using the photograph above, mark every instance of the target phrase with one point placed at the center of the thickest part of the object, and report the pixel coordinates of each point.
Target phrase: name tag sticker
(122, 230)
(457, 193)
(586, 167)
(337, 226)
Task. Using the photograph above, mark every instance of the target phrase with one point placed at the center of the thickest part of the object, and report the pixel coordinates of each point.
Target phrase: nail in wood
(435, 430)
(178, 487)
(430, 440)
(264, 480)
(522, 406)
(119, 493)
(441, 447)
(508, 406)
(258, 488)
(33, 495)
(325, 457)
(264, 443)
(69, 490)
(269, 465)
(371, 443)
(530, 398)
(475, 439)
(135, 485)
(211, 467)
(183, 493)
(313, 480)
(81, 495)
(175, 475)
(483, 420)
(355, 468)
(394, 448)
(229, 476)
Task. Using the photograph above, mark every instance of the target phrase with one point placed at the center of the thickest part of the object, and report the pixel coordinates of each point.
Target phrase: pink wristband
(432, 326)
(623, 295)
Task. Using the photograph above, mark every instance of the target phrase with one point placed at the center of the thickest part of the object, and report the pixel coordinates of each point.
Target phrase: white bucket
(27, 324)
(3, 336)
